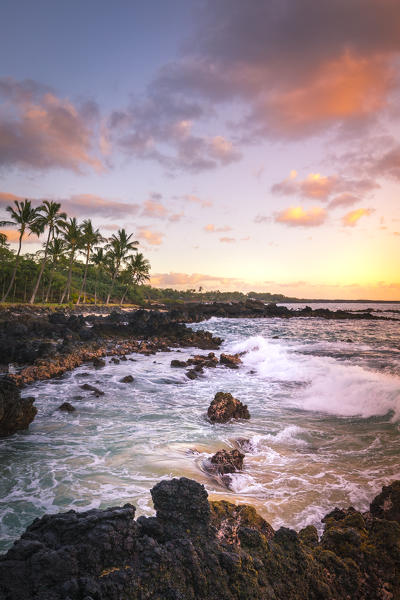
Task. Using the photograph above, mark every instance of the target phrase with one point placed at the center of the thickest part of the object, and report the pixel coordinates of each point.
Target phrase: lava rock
(387, 504)
(92, 388)
(225, 407)
(225, 461)
(115, 360)
(230, 360)
(16, 413)
(99, 362)
(66, 407)
(196, 549)
(127, 379)
(178, 363)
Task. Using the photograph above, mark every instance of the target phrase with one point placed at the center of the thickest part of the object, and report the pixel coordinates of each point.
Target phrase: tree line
(112, 269)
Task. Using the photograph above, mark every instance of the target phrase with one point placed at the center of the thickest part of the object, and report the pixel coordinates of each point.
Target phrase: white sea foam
(331, 386)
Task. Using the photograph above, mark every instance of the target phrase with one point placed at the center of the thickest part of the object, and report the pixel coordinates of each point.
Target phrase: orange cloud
(210, 228)
(321, 187)
(351, 219)
(154, 238)
(13, 236)
(297, 216)
(227, 240)
(349, 86)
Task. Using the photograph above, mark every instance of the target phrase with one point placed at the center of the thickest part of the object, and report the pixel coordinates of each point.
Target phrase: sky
(248, 146)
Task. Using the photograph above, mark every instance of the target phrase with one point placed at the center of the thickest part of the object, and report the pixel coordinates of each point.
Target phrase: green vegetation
(113, 270)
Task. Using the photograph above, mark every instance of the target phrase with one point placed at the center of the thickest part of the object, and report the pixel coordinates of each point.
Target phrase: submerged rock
(127, 379)
(225, 407)
(16, 413)
(92, 388)
(199, 550)
(66, 407)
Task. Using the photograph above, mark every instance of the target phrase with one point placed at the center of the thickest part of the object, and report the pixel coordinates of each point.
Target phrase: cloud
(344, 199)
(297, 66)
(13, 236)
(154, 209)
(160, 129)
(183, 280)
(227, 240)
(197, 200)
(297, 216)
(321, 187)
(351, 218)
(154, 238)
(82, 205)
(210, 228)
(39, 130)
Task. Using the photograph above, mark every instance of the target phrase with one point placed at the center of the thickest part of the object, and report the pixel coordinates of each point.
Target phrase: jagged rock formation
(196, 550)
(16, 413)
(225, 407)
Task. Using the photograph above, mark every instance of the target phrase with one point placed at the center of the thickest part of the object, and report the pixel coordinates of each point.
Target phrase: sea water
(324, 398)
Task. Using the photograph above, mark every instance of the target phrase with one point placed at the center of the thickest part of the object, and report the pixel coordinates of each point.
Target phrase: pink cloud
(42, 131)
(154, 238)
(154, 209)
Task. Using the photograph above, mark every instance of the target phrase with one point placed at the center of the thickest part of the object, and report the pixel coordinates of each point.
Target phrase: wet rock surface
(196, 549)
(127, 379)
(16, 413)
(226, 461)
(230, 360)
(225, 407)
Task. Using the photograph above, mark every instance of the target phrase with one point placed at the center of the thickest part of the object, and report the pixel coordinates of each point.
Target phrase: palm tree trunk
(67, 290)
(123, 297)
(49, 286)
(112, 286)
(32, 300)
(4, 298)
(83, 286)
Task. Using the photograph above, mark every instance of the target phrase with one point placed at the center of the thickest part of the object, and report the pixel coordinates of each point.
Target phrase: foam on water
(310, 444)
(330, 386)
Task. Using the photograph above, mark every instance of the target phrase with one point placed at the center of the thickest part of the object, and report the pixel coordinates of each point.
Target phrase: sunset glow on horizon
(249, 146)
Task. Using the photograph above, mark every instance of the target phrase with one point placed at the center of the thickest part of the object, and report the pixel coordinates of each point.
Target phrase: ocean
(324, 399)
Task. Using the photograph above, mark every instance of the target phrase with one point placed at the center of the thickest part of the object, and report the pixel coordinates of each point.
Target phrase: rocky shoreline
(196, 549)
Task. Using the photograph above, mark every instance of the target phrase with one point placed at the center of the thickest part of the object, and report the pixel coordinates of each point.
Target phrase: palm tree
(137, 270)
(23, 215)
(118, 248)
(72, 235)
(51, 217)
(91, 237)
(55, 250)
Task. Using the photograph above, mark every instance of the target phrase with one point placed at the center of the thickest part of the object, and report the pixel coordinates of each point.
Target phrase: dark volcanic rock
(127, 379)
(199, 550)
(92, 388)
(225, 461)
(225, 407)
(193, 373)
(99, 362)
(387, 504)
(178, 363)
(66, 407)
(16, 413)
(230, 360)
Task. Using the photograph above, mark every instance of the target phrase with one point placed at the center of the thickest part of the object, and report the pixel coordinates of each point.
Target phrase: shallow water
(324, 398)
